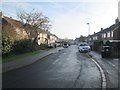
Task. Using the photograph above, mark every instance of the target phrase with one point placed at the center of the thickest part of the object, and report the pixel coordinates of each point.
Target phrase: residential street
(66, 68)
(60, 44)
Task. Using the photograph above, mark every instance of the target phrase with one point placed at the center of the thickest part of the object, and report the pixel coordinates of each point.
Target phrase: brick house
(109, 34)
(16, 30)
(13, 28)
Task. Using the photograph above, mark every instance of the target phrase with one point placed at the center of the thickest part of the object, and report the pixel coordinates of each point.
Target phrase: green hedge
(23, 46)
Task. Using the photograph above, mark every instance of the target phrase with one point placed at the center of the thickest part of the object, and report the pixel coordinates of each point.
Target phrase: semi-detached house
(108, 34)
(45, 37)
(16, 30)
(13, 28)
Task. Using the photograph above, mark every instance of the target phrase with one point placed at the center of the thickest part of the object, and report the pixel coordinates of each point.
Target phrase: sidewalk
(27, 60)
(97, 55)
(112, 61)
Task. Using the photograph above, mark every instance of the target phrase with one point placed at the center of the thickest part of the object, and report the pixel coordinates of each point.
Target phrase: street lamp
(88, 31)
(88, 28)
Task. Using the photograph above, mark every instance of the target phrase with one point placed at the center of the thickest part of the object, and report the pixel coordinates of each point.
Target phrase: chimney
(101, 29)
(117, 21)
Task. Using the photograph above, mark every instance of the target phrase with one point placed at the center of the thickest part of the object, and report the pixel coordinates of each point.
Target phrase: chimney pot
(101, 29)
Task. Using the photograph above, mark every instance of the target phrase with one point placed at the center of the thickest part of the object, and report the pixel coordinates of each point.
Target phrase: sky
(69, 18)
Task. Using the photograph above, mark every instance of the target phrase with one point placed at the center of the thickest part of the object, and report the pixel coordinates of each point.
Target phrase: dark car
(65, 45)
(106, 51)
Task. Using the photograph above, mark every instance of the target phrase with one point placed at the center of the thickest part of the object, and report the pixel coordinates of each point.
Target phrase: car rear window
(65, 44)
(83, 44)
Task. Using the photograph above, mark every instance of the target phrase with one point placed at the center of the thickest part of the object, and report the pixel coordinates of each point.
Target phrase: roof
(111, 28)
(13, 22)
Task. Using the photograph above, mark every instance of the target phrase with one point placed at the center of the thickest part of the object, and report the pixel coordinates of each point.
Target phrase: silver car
(84, 47)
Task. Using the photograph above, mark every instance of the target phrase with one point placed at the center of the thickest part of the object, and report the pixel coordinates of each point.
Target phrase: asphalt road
(65, 69)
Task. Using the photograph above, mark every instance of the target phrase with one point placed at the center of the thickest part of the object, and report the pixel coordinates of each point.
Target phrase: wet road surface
(65, 69)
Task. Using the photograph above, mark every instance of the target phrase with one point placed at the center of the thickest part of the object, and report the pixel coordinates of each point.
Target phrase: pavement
(97, 55)
(27, 60)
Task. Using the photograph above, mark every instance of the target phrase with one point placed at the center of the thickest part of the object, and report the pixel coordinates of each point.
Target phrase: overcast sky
(69, 17)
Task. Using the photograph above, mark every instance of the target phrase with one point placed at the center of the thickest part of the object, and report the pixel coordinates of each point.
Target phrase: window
(108, 34)
(111, 33)
(104, 35)
(90, 39)
(96, 37)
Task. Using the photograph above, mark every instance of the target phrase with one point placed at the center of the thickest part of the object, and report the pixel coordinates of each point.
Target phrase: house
(45, 37)
(42, 37)
(13, 28)
(109, 34)
(17, 31)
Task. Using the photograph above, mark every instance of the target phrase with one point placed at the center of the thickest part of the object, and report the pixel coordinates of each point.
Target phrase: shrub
(23, 46)
(7, 45)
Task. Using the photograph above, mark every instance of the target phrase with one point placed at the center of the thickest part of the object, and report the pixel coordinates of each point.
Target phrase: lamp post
(88, 31)
(88, 28)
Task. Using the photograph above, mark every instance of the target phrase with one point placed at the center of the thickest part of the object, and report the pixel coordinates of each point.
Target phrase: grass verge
(14, 57)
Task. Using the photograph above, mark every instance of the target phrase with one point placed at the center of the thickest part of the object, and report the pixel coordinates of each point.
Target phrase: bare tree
(34, 22)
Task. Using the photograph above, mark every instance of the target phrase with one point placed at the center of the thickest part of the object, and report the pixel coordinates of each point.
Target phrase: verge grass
(14, 57)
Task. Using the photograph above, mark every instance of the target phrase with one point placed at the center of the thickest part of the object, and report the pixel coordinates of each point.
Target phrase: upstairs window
(104, 35)
(108, 34)
(111, 33)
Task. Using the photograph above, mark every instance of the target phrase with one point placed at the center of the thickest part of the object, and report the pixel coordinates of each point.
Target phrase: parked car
(65, 45)
(84, 47)
(106, 51)
(50, 46)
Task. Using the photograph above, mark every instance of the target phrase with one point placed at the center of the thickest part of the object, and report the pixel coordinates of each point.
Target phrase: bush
(23, 46)
(7, 45)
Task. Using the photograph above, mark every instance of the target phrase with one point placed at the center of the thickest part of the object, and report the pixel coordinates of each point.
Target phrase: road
(65, 69)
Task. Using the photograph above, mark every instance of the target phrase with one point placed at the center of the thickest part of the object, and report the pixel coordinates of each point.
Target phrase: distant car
(50, 46)
(84, 47)
(65, 45)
